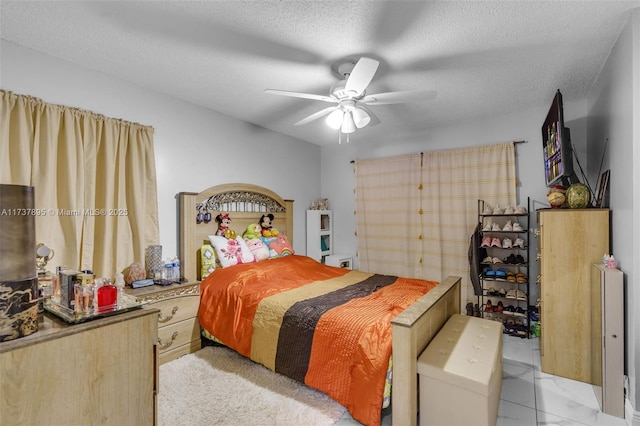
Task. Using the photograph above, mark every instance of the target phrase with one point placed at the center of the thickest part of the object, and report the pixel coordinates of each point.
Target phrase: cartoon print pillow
(259, 250)
(231, 251)
(279, 246)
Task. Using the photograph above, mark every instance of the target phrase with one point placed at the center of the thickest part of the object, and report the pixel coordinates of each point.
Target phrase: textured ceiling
(483, 57)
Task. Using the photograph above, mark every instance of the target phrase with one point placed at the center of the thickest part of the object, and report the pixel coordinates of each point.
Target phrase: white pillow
(231, 251)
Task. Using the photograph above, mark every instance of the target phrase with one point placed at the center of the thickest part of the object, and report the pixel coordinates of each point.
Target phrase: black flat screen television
(557, 149)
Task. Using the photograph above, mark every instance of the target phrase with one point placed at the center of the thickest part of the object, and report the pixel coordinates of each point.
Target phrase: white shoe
(487, 209)
(520, 210)
(487, 227)
(508, 226)
(509, 210)
(517, 227)
(519, 243)
(495, 227)
(498, 210)
(507, 243)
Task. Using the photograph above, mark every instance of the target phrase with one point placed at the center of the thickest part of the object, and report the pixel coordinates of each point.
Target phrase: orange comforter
(327, 327)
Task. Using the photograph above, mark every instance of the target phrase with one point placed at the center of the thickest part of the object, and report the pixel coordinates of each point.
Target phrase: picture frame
(602, 189)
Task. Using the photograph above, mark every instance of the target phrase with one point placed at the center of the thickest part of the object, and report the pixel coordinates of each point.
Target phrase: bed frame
(412, 330)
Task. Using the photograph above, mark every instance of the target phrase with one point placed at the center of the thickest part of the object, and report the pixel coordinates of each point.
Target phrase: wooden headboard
(244, 202)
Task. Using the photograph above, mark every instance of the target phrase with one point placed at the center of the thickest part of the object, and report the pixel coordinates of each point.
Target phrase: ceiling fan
(349, 95)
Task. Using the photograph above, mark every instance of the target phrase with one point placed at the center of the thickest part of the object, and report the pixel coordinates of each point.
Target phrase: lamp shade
(334, 120)
(348, 126)
(361, 118)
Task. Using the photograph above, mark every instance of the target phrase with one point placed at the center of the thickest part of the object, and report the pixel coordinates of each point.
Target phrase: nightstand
(339, 260)
(178, 326)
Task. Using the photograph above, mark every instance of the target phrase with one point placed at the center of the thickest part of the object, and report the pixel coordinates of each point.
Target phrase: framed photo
(602, 189)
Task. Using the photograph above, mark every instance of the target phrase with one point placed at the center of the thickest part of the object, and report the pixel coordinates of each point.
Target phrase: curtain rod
(422, 153)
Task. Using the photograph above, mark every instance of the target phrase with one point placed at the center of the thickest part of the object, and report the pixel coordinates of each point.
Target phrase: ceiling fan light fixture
(361, 118)
(334, 120)
(348, 125)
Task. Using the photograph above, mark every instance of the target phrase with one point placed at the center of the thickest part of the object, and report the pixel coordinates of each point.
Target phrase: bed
(412, 324)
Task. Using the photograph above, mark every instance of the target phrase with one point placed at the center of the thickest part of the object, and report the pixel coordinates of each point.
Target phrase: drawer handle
(168, 344)
(170, 317)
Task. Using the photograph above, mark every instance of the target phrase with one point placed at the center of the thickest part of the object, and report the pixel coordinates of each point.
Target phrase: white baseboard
(631, 416)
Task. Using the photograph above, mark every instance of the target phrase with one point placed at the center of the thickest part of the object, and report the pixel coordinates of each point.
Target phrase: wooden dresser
(178, 326)
(103, 371)
(570, 241)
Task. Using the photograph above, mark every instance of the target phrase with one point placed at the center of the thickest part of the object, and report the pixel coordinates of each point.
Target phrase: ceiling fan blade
(300, 95)
(316, 115)
(361, 75)
(399, 97)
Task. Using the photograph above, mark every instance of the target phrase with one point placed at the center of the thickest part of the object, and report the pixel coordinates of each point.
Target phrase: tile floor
(531, 397)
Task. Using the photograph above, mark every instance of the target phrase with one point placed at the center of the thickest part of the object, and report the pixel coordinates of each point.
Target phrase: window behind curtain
(94, 179)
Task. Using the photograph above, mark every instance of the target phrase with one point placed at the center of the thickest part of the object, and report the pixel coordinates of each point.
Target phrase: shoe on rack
(486, 241)
(489, 273)
(495, 242)
(517, 227)
(501, 274)
(487, 260)
(470, 309)
(495, 227)
(498, 210)
(509, 210)
(499, 308)
(519, 259)
(520, 210)
(511, 277)
(511, 294)
(496, 260)
(506, 243)
(487, 226)
(511, 259)
(521, 295)
(519, 242)
(488, 307)
(487, 209)
(508, 226)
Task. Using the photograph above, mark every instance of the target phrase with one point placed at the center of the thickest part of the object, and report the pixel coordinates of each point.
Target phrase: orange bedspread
(327, 327)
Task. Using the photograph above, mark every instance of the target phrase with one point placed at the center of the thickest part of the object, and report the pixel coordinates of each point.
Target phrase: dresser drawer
(176, 309)
(178, 334)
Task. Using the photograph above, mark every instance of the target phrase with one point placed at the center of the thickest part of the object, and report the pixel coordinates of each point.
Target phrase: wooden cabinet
(103, 371)
(319, 234)
(607, 327)
(178, 326)
(570, 241)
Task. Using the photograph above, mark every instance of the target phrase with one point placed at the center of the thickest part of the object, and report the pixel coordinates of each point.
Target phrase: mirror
(43, 255)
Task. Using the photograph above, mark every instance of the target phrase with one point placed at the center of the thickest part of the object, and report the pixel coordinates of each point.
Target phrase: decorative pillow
(208, 260)
(279, 246)
(259, 250)
(231, 251)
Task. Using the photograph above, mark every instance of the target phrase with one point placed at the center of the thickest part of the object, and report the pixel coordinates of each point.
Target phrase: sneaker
(506, 243)
(487, 260)
(521, 295)
(520, 210)
(517, 227)
(508, 226)
(487, 227)
(496, 260)
(487, 209)
(519, 243)
(486, 241)
(509, 210)
(495, 242)
(495, 227)
(498, 210)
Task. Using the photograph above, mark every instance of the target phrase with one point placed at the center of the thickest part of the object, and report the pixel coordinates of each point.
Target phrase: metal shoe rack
(504, 266)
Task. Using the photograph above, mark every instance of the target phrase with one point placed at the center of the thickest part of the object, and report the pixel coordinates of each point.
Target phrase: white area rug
(217, 386)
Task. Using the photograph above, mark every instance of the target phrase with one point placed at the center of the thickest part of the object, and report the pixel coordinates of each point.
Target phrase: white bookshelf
(319, 234)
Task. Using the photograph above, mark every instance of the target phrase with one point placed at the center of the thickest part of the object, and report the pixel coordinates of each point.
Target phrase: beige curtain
(388, 217)
(94, 179)
(443, 215)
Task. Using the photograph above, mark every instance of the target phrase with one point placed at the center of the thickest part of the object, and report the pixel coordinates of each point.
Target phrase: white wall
(614, 106)
(195, 148)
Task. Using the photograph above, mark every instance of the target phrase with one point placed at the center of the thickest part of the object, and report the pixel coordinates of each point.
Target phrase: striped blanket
(324, 326)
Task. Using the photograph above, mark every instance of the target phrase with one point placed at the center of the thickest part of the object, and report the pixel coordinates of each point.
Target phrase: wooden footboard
(412, 330)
